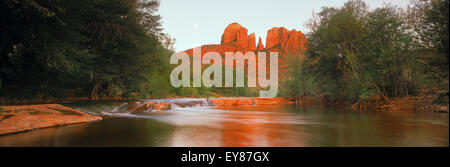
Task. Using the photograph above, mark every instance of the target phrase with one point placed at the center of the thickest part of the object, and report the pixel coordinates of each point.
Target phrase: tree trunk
(94, 91)
(110, 86)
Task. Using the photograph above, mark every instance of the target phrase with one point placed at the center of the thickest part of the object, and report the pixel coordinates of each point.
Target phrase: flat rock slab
(15, 119)
(244, 101)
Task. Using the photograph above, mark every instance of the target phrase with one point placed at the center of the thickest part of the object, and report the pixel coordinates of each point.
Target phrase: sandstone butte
(235, 38)
(29, 117)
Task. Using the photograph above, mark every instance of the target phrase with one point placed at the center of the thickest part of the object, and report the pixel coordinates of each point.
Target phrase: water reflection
(248, 126)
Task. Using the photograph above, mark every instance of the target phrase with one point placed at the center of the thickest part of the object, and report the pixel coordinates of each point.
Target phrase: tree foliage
(355, 53)
(53, 48)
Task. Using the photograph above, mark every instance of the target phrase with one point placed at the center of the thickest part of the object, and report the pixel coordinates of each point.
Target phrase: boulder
(161, 106)
(224, 102)
(142, 106)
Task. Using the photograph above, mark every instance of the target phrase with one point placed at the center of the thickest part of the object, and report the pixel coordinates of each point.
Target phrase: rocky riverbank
(14, 119)
(424, 103)
(245, 101)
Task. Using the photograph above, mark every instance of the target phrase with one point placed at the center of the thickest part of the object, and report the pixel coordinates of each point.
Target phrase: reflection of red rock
(262, 129)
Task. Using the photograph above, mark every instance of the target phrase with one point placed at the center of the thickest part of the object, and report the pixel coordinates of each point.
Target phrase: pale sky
(199, 22)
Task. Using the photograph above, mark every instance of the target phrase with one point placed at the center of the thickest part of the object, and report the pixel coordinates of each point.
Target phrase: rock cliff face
(251, 42)
(236, 35)
(235, 38)
(260, 45)
(279, 39)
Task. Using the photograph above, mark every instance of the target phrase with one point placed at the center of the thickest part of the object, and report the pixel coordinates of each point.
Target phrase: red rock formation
(260, 45)
(138, 107)
(279, 39)
(236, 35)
(230, 32)
(251, 42)
(275, 36)
(226, 102)
(235, 38)
(242, 101)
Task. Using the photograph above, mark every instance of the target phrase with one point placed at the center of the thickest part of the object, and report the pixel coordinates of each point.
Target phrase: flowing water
(205, 125)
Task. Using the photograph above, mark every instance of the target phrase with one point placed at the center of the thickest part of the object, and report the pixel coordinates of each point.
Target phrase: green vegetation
(86, 48)
(108, 48)
(354, 53)
(1, 109)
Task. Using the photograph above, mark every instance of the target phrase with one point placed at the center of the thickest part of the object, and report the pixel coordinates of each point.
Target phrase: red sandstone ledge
(245, 101)
(15, 119)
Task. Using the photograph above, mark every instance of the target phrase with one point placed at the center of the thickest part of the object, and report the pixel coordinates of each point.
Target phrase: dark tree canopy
(85, 48)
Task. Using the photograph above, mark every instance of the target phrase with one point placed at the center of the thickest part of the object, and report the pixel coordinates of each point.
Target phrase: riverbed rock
(226, 102)
(138, 107)
(29, 117)
(161, 106)
(270, 101)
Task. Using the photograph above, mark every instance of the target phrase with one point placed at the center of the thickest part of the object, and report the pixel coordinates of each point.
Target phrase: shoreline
(22, 118)
(16, 119)
(413, 103)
